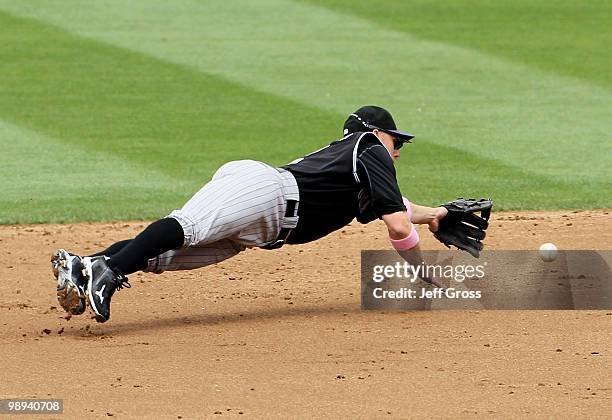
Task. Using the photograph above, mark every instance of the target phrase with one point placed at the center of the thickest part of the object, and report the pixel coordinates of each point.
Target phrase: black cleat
(102, 282)
(68, 271)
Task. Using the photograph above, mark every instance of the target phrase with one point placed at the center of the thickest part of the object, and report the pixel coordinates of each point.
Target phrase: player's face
(389, 141)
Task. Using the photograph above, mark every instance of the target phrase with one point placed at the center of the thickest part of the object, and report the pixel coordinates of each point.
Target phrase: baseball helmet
(369, 117)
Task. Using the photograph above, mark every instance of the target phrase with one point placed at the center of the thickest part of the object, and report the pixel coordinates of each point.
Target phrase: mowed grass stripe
(432, 173)
(567, 37)
(449, 95)
(45, 180)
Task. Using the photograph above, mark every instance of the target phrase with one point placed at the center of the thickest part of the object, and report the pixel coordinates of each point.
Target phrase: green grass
(567, 37)
(121, 110)
(123, 135)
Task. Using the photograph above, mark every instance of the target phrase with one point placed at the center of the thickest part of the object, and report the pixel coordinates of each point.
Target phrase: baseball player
(251, 204)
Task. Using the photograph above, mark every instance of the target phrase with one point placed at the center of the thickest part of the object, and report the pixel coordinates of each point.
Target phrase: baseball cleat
(68, 271)
(102, 282)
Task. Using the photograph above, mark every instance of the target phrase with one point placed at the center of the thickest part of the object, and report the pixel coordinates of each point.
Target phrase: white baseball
(548, 252)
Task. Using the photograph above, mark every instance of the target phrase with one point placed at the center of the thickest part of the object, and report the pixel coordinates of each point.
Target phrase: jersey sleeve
(377, 175)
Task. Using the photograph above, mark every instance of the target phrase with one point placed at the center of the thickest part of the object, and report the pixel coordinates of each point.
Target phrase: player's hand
(440, 213)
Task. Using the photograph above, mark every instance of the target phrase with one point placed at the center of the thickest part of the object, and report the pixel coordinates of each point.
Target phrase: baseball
(548, 252)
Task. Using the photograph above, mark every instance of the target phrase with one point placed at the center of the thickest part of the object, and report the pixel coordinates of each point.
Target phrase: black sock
(159, 237)
(113, 249)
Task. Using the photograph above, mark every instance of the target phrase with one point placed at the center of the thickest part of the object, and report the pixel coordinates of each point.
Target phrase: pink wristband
(408, 242)
(408, 208)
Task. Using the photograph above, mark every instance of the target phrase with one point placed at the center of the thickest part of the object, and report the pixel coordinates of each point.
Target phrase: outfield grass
(566, 37)
(120, 110)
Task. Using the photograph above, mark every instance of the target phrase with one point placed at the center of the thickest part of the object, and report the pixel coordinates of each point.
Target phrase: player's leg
(243, 204)
(105, 276)
(159, 237)
(113, 249)
(193, 257)
(73, 271)
(241, 208)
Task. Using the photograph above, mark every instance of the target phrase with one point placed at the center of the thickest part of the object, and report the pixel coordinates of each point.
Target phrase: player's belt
(290, 219)
(291, 212)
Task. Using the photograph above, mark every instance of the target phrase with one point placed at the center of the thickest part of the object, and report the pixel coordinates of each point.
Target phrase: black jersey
(353, 177)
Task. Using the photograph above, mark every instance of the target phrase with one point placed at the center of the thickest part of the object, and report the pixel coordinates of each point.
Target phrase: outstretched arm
(405, 240)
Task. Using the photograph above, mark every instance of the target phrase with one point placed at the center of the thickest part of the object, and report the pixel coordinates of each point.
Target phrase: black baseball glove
(463, 227)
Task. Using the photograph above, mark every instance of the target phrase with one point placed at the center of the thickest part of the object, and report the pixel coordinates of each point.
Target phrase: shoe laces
(121, 281)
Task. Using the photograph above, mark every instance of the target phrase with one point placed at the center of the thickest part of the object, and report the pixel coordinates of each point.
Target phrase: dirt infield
(279, 334)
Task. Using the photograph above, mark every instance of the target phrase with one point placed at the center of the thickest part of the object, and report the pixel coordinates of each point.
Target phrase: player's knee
(187, 227)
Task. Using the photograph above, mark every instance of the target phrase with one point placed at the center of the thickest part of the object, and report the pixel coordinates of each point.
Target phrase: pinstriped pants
(243, 206)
